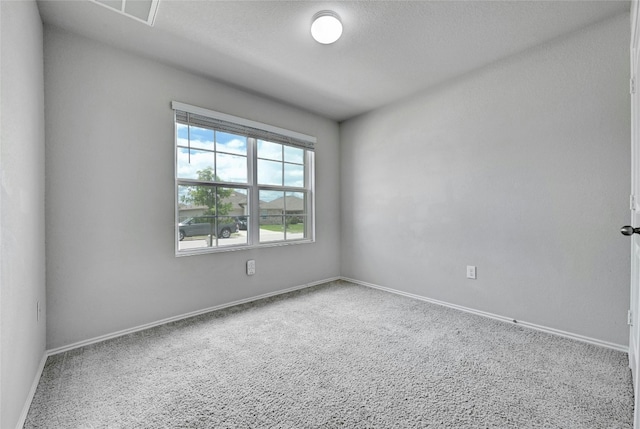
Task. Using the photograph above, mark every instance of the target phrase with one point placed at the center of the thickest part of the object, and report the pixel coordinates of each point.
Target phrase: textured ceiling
(389, 49)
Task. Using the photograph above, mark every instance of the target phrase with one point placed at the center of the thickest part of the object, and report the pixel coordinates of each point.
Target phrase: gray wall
(110, 195)
(521, 169)
(22, 257)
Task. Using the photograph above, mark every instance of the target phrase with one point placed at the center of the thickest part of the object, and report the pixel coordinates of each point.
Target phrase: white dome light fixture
(326, 27)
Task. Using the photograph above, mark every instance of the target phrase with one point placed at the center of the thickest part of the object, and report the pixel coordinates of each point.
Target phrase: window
(240, 183)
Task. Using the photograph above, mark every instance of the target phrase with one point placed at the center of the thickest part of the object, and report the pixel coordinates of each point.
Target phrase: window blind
(199, 117)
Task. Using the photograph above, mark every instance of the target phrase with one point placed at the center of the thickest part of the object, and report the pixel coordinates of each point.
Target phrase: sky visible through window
(201, 148)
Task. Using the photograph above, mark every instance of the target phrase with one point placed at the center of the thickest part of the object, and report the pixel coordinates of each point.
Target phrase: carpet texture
(335, 356)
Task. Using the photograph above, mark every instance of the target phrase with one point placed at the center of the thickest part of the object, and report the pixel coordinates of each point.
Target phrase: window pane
(229, 233)
(271, 199)
(231, 143)
(231, 168)
(232, 206)
(207, 216)
(201, 138)
(194, 164)
(282, 216)
(269, 172)
(271, 216)
(194, 216)
(268, 150)
(293, 154)
(273, 230)
(295, 203)
(294, 175)
(233, 202)
(295, 211)
(243, 224)
(295, 227)
(196, 232)
(196, 201)
(182, 132)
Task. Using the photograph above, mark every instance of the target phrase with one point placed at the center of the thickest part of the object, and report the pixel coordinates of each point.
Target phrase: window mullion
(214, 233)
(253, 227)
(309, 185)
(207, 183)
(215, 156)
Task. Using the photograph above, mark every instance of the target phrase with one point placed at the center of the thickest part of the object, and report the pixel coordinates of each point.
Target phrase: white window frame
(253, 239)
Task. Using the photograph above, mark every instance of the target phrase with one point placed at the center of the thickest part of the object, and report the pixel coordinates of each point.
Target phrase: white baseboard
(181, 317)
(541, 328)
(51, 352)
(78, 344)
(32, 392)
(529, 325)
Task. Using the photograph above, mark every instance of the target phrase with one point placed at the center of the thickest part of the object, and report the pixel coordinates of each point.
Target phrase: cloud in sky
(201, 148)
(231, 143)
(279, 152)
(229, 168)
(203, 138)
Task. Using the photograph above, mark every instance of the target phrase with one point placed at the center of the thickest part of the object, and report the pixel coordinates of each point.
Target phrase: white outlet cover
(251, 267)
(471, 271)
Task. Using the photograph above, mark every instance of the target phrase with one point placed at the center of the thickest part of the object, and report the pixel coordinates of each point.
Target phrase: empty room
(305, 214)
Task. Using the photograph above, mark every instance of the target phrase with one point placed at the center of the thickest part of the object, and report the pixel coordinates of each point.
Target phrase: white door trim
(634, 328)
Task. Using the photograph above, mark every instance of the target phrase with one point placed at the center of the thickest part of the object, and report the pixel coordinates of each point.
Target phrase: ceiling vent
(140, 10)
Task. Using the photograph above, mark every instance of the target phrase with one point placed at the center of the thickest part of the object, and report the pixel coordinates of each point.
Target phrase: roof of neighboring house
(292, 204)
(236, 198)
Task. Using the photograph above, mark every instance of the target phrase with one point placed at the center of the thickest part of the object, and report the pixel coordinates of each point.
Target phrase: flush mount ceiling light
(326, 27)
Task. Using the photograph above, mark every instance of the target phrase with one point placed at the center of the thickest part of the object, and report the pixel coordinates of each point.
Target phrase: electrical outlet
(251, 267)
(471, 271)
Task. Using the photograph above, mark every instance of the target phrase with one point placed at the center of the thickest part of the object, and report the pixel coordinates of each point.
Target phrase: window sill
(208, 250)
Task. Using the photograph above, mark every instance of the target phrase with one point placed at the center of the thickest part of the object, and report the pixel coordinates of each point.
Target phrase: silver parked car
(206, 225)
